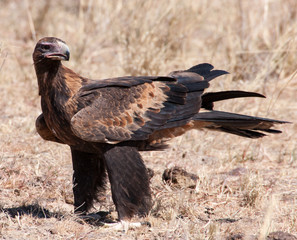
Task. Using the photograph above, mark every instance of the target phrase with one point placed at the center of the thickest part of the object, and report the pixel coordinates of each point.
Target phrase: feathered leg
(129, 181)
(89, 179)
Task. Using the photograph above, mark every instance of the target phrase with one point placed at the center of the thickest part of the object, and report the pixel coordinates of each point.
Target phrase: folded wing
(133, 108)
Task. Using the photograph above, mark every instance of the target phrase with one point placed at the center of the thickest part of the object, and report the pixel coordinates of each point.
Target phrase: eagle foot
(124, 226)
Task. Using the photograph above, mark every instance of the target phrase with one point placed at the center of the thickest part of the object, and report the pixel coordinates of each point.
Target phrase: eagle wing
(133, 108)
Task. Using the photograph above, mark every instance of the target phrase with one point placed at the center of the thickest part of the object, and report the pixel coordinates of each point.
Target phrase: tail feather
(271, 130)
(201, 69)
(195, 80)
(241, 125)
(198, 74)
(210, 97)
(242, 132)
(204, 70)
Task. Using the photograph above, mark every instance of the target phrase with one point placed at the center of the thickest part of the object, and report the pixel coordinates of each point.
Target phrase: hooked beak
(61, 52)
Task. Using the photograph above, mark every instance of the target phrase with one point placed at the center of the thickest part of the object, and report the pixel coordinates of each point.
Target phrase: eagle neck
(51, 80)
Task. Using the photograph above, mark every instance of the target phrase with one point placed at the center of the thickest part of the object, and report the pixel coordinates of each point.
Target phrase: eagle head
(51, 48)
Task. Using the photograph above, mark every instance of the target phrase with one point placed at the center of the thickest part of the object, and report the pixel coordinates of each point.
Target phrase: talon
(124, 226)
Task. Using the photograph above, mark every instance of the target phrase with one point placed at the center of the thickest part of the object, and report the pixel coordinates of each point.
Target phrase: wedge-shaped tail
(241, 125)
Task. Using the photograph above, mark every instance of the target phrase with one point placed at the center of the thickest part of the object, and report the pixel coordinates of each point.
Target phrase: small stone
(179, 178)
(238, 171)
(279, 235)
(236, 236)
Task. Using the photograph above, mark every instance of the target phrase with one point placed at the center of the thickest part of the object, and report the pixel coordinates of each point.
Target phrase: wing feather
(117, 112)
(134, 108)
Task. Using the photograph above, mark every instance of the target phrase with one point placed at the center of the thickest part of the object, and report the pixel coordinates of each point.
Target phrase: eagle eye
(45, 47)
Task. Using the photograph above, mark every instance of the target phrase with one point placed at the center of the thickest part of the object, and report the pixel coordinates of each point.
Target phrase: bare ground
(245, 187)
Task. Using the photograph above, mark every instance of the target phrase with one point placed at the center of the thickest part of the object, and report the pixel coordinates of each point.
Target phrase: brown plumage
(107, 122)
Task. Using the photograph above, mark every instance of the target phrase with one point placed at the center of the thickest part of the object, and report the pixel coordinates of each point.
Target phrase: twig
(31, 23)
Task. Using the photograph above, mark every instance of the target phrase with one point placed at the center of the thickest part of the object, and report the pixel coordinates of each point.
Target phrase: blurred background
(254, 40)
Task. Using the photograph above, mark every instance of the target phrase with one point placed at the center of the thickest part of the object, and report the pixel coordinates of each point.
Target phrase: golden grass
(254, 40)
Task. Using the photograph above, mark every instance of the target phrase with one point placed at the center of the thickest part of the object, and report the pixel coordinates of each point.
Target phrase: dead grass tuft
(252, 190)
(245, 187)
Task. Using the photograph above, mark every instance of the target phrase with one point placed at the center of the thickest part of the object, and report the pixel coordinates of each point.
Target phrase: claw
(124, 226)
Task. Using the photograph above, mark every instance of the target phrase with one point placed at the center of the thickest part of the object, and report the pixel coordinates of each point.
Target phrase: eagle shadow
(36, 211)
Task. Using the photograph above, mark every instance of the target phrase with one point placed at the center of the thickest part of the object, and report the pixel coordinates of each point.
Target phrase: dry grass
(254, 40)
